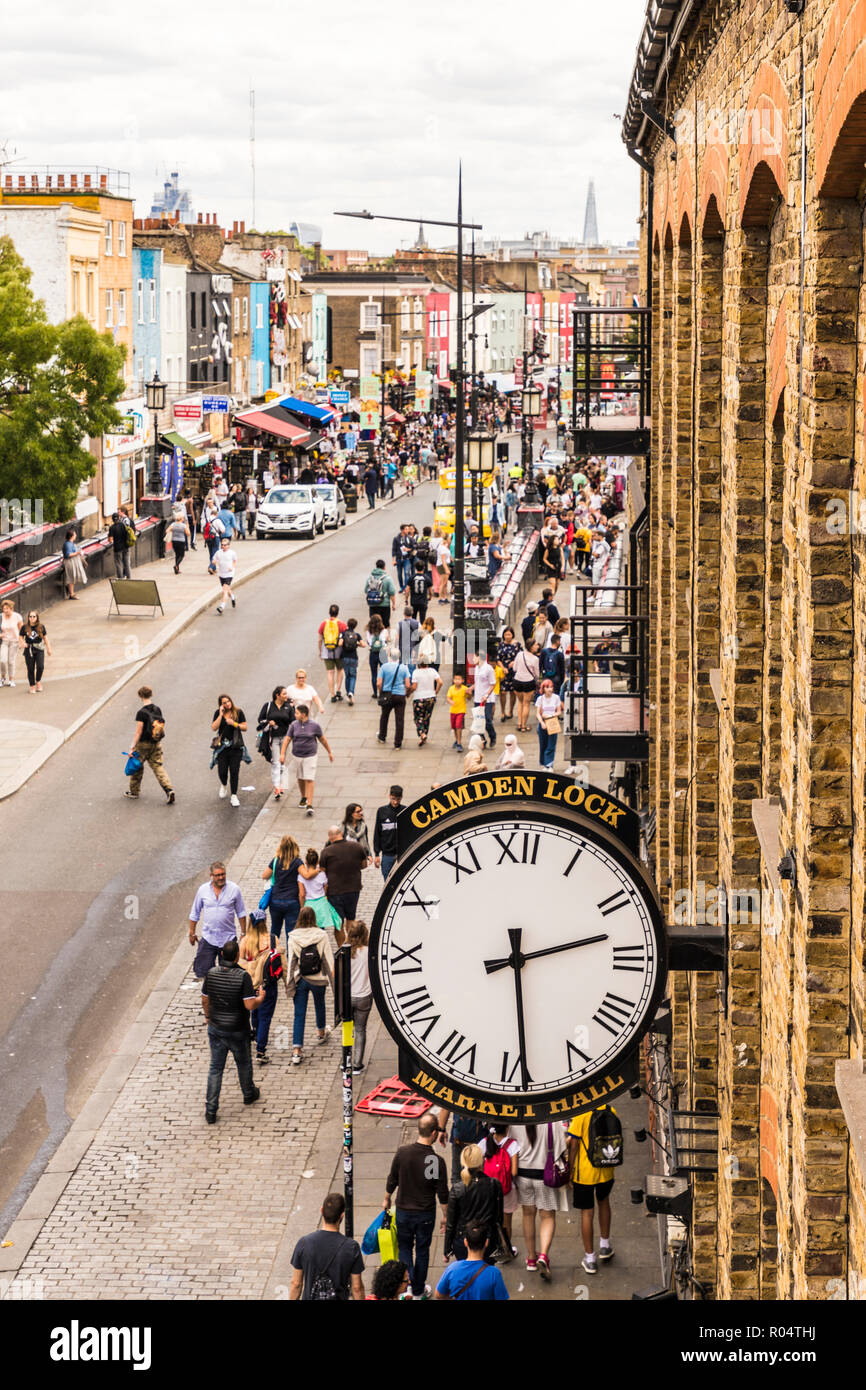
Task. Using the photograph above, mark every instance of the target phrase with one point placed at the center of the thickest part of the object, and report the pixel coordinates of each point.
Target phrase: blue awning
(317, 413)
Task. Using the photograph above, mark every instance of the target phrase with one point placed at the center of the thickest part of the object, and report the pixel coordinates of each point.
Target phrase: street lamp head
(367, 216)
(531, 401)
(155, 393)
(480, 453)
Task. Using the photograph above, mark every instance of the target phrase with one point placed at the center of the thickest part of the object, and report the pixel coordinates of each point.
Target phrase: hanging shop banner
(165, 471)
(368, 386)
(176, 473)
(423, 390)
(369, 414)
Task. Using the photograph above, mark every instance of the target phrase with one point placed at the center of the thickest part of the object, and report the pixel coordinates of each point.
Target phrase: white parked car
(292, 509)
(335, 503)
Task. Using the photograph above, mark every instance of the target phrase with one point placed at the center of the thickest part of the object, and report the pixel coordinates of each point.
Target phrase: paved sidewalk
(143, 1200)
(94, 655)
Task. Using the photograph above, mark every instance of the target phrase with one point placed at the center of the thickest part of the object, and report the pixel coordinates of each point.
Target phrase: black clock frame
(594, 1088)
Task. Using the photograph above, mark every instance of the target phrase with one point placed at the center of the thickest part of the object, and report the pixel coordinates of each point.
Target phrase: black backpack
(310, 961)
(322, 1289)
(350, 643)
(604, 1139)
(420, 586)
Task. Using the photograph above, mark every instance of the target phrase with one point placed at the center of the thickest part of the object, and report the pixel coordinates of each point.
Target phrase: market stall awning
(177, 441)
(394, 416)
(319, 414)
(271, 423)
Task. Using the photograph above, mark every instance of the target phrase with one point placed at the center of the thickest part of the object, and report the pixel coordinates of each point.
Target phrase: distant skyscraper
(171, 200)
(590, 221)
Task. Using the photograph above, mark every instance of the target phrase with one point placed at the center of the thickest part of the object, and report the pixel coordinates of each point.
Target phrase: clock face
(517, 956)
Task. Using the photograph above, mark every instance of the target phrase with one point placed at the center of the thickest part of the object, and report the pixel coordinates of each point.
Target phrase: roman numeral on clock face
(615, 1010)
(613, 903)
(459, 864)
(453, 1051)
(415, 1004)
(629, 957)
(572, 862)
(405, 962)
(528, 851)
(510, 1069)
(412, 898)
(572, 1051)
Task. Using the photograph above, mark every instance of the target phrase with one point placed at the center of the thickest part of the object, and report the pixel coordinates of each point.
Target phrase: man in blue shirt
(473, 1280)
(216, 906)
(227, 517)
(394, 684)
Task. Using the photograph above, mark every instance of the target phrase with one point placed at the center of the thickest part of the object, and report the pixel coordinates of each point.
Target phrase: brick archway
(776, 364)
(763, 149)
(685, 197)
(714, 183)
(840, 102)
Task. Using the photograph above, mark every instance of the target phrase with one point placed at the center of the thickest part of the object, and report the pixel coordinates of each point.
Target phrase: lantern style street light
(530, 399)
(155, 398)
(480, 459)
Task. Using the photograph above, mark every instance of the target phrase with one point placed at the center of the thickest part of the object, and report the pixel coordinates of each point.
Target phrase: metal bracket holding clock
(518, 953)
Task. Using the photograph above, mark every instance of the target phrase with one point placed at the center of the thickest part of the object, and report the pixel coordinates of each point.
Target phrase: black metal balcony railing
(606, 697)
(612, 366)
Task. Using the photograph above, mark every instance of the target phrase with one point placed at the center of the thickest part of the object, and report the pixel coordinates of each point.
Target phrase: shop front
(125, 458)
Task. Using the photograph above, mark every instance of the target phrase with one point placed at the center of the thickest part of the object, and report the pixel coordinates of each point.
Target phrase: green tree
(58, 384)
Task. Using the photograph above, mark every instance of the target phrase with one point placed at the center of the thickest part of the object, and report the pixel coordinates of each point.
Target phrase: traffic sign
(215, 405)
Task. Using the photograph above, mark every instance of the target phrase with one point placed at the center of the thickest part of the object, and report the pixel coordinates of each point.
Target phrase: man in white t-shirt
(226, 562)
(221, 490)
(11, 623)
(483, 694)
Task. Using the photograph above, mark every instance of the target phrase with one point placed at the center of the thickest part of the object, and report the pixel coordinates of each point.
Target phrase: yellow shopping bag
(388, 1238)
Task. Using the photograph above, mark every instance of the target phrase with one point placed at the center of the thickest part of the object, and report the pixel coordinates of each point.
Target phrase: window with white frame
(260, 315)
(121, 238)
(405, 316)
(369, 317)
(152, 368)
(369, 360)
(245, 312)
(405, 352)
(237, 317)
(139, 300)
(419, 314)
(139, 367)
(121, 308)
(260, 378)
(431, 324)
(109, 238)
(152, 300)
(169, 315)
(109, 308)
(419, 353)
(511, 319)
(443, 366)
(178, 307)
(91, 294)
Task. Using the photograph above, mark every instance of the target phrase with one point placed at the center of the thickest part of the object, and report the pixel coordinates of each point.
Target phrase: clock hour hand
(491, 966)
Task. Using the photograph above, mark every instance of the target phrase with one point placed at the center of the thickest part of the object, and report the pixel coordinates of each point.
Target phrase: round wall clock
(518, 956)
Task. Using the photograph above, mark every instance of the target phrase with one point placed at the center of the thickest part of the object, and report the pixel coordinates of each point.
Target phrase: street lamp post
(531, 407)
(459, 530)
(480, 460)
(155, 398)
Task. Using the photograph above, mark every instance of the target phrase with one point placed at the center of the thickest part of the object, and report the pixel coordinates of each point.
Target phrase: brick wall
(759, 418)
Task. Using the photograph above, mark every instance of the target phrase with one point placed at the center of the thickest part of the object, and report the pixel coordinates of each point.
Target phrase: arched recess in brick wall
(763, 151)
(840, 101)
(714, 184)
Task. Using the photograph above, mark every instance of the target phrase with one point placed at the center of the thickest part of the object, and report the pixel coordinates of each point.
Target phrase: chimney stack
(243, 228)
(200, 219)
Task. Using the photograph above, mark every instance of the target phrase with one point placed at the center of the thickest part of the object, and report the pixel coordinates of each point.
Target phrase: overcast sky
(358, 105)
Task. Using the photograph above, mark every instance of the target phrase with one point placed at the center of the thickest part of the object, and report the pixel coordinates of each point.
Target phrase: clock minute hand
(491, 966)
(516, 959)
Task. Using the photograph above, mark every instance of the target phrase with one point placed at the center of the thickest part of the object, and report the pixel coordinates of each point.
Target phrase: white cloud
(357, 105)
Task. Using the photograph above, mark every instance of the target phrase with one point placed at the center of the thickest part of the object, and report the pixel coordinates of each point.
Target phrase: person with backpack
(418, 590)
(120, 548)
(594, 1150)
(551, 663)
(147, 744)
(473, 1280)
(212, 529)
(331, 650)
(273, 722)
(500, 1149)
(265, 963)
(352, 641)
(311, 970)
(378, 640)
(475, 1200)
(326, 1265)
(380, 593)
